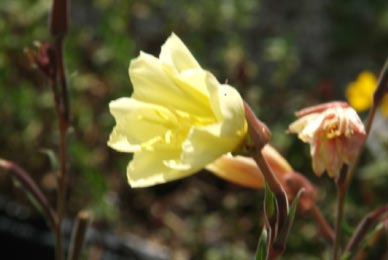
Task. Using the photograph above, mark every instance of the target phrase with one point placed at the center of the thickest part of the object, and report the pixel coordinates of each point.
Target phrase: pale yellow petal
(148, 168)
(317, 163)
(175, 53)
(228, 107)
(139, 125)
(194, 86)
(195, 83)
(306, 126)
(154, 84)
(205, 144)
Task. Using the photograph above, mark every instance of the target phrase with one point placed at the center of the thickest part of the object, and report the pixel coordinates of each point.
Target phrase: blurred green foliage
(281, 56)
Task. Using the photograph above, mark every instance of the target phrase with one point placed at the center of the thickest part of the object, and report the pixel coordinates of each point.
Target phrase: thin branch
(341, 193)
(381, 90)
(58, 26)
(78, 235)
(29, 184)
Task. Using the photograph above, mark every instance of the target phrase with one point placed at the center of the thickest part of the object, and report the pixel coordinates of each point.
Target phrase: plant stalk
(341, 194)
(58, 26)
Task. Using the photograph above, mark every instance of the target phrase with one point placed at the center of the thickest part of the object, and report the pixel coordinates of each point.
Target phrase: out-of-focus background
(281, 57)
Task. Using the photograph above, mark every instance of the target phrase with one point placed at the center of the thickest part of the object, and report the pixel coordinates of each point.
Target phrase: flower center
(332, 130)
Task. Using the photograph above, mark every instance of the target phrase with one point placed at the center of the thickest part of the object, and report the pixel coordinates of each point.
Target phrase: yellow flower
(178, 119)
(335, 134)
(359, 93)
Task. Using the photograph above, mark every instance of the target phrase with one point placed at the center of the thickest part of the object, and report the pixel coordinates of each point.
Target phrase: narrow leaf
(31, 198)
(261, 252)
(281, 240)
(269, 204)
(363, 229)
(271, 216)
(31, 187)
(52, 158)
(293, 207)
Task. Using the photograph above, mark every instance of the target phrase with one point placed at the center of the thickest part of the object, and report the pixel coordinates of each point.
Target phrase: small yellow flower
(178, 119)
(359, 93)
(335, 134)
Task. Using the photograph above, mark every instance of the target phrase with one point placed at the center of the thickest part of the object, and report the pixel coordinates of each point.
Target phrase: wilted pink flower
(335, 134)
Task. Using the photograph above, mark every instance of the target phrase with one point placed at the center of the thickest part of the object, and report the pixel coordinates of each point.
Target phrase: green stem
(275, 187)
(259, 136)
(341, 193)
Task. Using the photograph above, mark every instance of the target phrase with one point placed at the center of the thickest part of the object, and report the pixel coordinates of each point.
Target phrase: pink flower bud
(335, 134)
(244, 170)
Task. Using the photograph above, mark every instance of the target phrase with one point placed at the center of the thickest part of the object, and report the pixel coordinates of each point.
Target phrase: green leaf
(281, 240)
(52, 158)
(27, 184)
(346, 256)
(261, 252)
(31, 198)
(349, 253)
(269, 203)
(294, 204)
